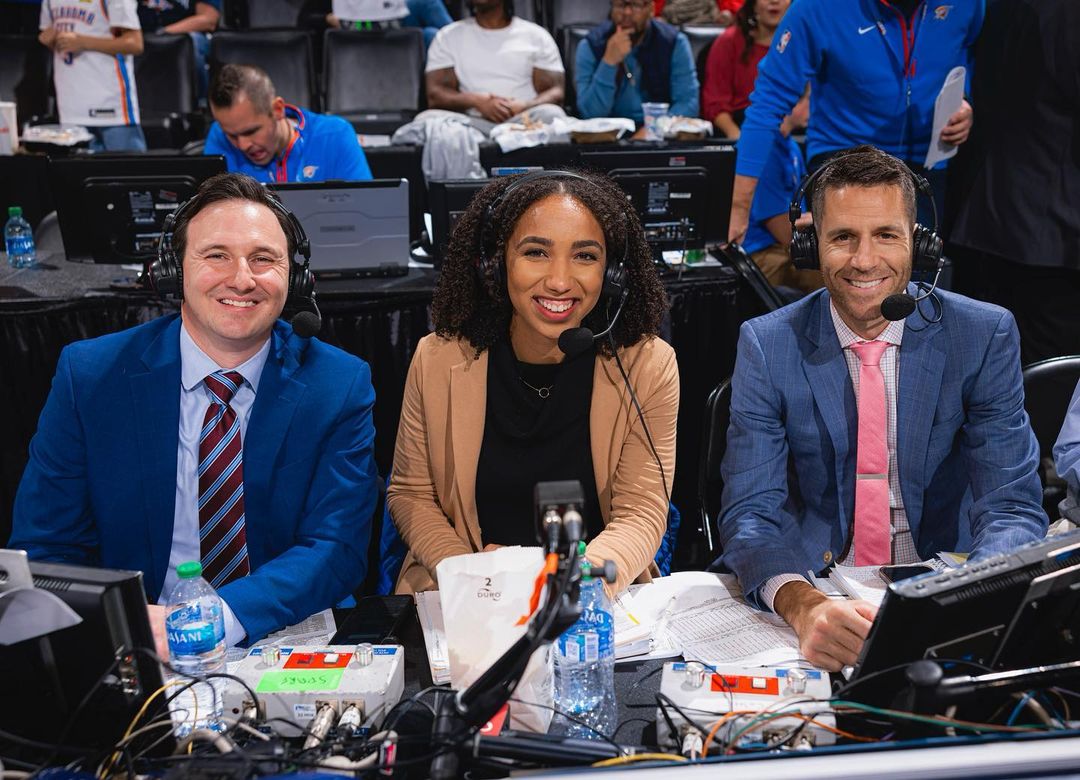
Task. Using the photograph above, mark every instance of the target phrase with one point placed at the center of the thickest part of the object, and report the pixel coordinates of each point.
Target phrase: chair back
(564, 13)
(26, 76)
(273, 13)
(569, 38)
(1048, 388)
(377, 74)
(285, 55)
(735, 256)
(701, 37)
(165, 76)
(713, 446)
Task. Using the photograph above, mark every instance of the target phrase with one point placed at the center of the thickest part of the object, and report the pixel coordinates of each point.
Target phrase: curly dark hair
(478, 309)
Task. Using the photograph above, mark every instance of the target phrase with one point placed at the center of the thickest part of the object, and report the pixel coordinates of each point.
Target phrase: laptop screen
(356, 228)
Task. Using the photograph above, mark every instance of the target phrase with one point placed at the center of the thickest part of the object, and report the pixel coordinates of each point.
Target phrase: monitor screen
(448, 200)
(671, 204)
(93, 661)
(111, 209)
(717, 160)
(1006, 612)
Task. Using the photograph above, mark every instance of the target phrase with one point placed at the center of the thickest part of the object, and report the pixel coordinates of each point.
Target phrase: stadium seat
(701, 37)
(26, 76)
(569, 38)
(284, 54)
(262, 14)
(373, 79)
(563, 13)
(1048, 388)
(165, 78)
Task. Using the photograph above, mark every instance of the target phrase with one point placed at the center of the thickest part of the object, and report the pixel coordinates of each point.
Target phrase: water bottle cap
(585, 566)
(14, 211)
(186, 571)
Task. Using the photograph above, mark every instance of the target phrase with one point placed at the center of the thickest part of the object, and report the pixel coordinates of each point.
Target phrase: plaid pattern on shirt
(903, 546)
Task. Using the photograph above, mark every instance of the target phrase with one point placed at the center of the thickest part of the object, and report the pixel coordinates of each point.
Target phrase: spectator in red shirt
(733, 61)
(725, 13)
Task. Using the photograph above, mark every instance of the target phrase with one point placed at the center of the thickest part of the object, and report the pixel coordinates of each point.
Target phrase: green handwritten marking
(300, 680)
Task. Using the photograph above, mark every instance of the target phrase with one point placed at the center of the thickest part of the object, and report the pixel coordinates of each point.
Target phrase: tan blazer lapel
(468, 403)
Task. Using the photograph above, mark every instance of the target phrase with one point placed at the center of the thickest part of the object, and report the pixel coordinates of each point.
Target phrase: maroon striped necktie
(222, 540)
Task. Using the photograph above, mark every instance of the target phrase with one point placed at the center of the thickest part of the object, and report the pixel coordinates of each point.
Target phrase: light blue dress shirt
(195, 366)
(594, 81)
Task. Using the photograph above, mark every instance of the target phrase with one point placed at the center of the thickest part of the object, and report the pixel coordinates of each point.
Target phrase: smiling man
(861, 441)
(218, 435)
(273, 141)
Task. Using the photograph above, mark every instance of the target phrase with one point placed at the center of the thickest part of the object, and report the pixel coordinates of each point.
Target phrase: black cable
(840, 692)
(571, 718)
(641, 416)
(664, 697)
(388, 724)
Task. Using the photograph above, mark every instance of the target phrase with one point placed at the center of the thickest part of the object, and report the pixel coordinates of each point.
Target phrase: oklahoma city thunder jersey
(93, 88)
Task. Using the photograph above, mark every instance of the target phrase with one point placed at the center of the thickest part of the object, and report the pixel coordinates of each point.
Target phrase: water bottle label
(581, 647)
(192, 633)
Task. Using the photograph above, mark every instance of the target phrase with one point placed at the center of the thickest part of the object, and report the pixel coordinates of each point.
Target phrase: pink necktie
(872, 521)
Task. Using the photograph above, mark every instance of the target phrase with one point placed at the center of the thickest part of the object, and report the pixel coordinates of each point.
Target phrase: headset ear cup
(804, 250)
(928, 250)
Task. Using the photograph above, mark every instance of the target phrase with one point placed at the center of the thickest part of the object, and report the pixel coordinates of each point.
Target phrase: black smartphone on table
(904, 571)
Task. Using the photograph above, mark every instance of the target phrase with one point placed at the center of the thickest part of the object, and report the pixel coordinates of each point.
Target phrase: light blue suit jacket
(100, 486)
(967, 455)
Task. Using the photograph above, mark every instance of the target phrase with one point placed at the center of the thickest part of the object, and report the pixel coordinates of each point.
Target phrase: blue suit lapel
(922, 364)
(271, 416)
(155, 392)
(827, 373)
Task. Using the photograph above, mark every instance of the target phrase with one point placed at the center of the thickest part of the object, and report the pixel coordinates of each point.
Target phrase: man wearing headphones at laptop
(871, 422)
(219, 435)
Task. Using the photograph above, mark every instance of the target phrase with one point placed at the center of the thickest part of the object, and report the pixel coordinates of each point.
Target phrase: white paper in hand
(483, 595)
(948, 103)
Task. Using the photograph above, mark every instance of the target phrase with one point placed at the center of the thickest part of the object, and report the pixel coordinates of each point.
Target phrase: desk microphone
(307, 323)
(574, 341)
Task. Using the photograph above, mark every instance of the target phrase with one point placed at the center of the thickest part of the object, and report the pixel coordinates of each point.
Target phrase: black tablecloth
(381, 320)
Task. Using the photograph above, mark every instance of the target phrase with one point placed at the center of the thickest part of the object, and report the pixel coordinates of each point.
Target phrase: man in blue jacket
(859, 440)
(218, 435)
(876, 68)
(263, 136)
(633, 58)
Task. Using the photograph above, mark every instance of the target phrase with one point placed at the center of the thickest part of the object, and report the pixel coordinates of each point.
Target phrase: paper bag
(9, 129)
(483, 595)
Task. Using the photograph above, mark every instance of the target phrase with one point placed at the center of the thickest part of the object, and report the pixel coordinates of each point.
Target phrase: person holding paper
(876, 67)
(859, 440)
(493, 405)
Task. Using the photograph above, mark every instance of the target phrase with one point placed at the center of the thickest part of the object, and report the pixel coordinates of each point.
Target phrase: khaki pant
(775, 263)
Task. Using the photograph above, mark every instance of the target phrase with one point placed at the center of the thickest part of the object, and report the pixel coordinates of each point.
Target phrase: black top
(529, 439)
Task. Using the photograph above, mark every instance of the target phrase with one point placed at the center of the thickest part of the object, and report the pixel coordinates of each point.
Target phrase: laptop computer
(356, 228)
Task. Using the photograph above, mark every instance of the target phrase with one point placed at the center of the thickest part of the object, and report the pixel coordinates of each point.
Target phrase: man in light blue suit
(124, 443)
(961, 473)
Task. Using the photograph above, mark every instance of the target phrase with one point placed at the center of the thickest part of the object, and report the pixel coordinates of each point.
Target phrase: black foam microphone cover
(897, 307)
(574, 341)
(306, 324)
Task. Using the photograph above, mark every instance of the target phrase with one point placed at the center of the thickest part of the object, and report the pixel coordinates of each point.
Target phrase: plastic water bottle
(585, 665)
(195, 627)
(19, 240)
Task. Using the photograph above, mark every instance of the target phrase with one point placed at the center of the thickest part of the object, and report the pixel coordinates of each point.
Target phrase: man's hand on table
(831, 633)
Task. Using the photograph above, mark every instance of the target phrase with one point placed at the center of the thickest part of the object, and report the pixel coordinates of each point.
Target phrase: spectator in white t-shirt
(494, 67)
(93, 72)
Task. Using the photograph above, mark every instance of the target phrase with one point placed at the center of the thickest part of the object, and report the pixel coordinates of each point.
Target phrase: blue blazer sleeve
(594, 82)
(685, 90)
(328, 555)
(781, 79)
(52, 518)
(1001, 452)
(756, 529)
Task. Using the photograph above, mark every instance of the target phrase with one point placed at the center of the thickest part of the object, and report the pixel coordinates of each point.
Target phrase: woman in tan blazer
(492, 404)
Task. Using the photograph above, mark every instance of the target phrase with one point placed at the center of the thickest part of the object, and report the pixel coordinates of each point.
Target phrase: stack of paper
(429, 611)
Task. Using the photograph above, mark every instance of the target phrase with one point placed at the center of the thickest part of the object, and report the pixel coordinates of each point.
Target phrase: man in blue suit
(961, 457)
(138, 423)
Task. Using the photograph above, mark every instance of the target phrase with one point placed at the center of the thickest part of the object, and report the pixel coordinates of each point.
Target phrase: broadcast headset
(167, 272)
(926, 252)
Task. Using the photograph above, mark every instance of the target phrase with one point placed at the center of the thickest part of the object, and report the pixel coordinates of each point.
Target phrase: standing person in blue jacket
(876, 68)
(633, 58)
(263, 136)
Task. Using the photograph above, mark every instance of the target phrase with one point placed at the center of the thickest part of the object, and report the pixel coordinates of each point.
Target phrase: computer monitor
(1007, 612)
(111, 208)
(448, 199)
(44, 681)
(356, 228)
(717, 160)
(670, 202)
